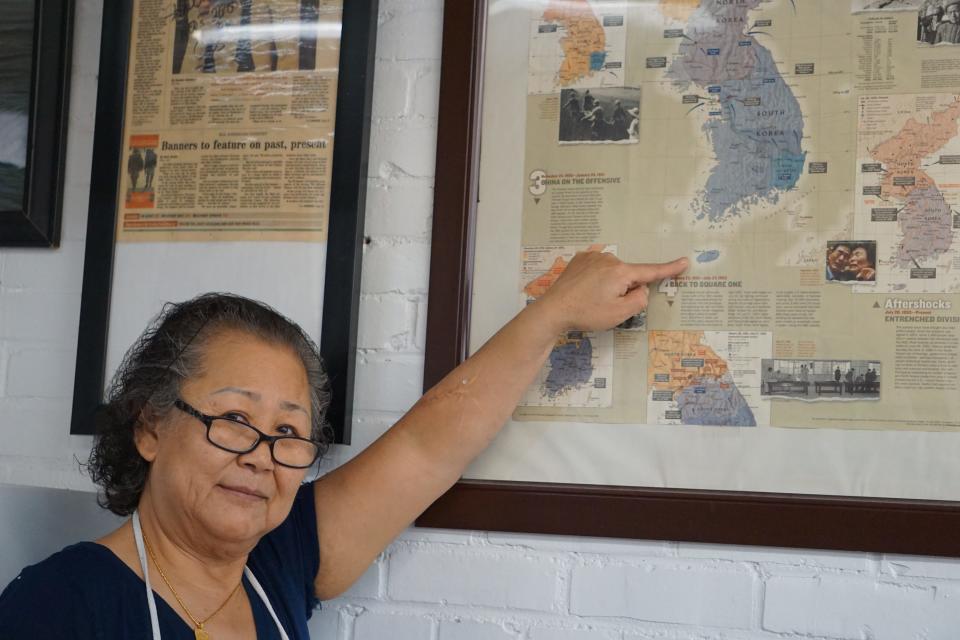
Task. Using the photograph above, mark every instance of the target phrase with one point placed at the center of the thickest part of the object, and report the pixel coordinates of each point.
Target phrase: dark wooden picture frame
(37, 222)
(749, 518)
(345, 226)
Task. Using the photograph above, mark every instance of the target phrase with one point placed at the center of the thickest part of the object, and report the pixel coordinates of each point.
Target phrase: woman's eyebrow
(293, 406)
(253, 395)
(286, 405)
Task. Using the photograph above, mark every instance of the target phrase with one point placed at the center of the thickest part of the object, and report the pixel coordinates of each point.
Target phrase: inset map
(577, 44)
(579, 371)
(908, 187)
(707, 378)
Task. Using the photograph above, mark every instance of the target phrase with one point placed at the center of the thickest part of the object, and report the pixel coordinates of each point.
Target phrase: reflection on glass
(16, 35)
(236, 36)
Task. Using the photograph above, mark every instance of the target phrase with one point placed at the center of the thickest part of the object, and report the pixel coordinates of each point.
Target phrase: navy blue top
(87, 592)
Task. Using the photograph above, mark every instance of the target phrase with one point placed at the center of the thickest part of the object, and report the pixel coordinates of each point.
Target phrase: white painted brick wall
(448, 585)
(679, 592)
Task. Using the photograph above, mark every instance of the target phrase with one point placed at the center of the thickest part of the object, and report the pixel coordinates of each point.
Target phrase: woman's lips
(246, 492)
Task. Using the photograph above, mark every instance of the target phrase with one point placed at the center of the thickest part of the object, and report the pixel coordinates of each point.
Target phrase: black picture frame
(37, 222)
(842, 523)
(345, 226)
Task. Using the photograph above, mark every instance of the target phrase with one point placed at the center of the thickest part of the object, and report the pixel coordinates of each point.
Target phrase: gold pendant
(200, 634)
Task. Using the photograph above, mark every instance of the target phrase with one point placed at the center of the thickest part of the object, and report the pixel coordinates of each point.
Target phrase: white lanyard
(152, 604)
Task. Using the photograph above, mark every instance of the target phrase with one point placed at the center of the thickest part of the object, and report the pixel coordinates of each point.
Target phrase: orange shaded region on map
(903, 154)
(668, 350)
(539, 286)
(585, 36)
(679, 10)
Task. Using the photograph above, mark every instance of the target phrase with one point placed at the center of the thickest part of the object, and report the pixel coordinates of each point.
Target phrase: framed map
(798, 385)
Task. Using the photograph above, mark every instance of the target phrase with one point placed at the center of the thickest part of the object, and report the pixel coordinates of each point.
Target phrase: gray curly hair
(169, 352)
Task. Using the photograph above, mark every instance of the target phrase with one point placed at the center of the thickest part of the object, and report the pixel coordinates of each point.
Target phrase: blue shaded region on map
(757, 132)
(708, 256)
(714, 402)
(597, 58)
(786, 170)
(571, 365)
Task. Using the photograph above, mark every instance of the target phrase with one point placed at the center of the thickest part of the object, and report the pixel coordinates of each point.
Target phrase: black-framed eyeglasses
(239, 437)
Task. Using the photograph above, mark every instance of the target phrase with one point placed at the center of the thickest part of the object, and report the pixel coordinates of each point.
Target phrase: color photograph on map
(813, 380)
(707, 378)
(603, 115)
(851, 261)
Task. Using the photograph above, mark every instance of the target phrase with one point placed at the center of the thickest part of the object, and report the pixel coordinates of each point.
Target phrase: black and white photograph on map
(16, 56)
(851, 261)
(862, 6)
(600, 115)
(938, 22)
(799, 379)
(238, 36)
(634, 323)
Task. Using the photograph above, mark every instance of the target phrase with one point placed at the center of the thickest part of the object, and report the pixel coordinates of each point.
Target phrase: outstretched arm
(365, 503)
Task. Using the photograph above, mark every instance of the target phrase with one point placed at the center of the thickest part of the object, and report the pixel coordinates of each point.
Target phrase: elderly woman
(211, 425)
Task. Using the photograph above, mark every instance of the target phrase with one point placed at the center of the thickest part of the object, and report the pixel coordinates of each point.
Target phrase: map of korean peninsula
(579, 370)
(577, 44)
(584, 46)
(909, 174)
(707, 378)
(752, 118)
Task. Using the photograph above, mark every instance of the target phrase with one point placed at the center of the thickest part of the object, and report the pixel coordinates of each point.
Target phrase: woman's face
(223, 496)
(859, 258)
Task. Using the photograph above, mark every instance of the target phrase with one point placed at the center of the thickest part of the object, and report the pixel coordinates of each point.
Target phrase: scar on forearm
(458, 390)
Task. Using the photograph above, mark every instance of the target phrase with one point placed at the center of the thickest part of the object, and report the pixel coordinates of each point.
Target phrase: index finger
(658, 271)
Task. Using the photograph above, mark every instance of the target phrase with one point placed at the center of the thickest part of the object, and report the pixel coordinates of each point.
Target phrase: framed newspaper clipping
(230, 155)
(798, 385)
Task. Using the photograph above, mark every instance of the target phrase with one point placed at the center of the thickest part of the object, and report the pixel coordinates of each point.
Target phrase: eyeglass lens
(239, 438)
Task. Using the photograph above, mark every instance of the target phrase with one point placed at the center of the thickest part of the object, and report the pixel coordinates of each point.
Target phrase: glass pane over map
(811, 183)
(805, 155)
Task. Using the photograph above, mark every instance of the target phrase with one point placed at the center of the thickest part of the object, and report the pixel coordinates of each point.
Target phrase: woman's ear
(145, 437)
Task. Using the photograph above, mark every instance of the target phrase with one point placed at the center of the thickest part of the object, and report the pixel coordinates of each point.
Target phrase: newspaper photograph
(228, 131)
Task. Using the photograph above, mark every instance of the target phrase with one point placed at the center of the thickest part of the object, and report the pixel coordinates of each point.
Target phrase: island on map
(710, 255)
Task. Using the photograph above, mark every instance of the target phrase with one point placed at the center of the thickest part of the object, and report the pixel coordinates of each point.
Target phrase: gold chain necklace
(199, 632)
